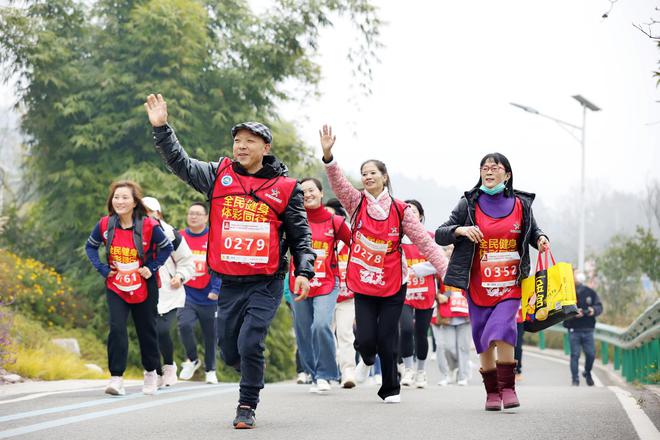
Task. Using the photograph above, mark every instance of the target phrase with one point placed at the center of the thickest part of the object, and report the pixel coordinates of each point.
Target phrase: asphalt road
(551, 409)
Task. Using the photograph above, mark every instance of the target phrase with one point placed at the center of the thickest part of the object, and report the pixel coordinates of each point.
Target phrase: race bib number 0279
(245, 242)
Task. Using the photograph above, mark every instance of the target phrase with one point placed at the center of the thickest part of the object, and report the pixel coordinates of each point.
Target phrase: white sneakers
(150, 382)
(188, 368)
(303, 378)
(320, 387)
(211, 377)
(408, 377)
(362, 371)
(420, 379)
(462, 383)
(378, 379)
(115, 386)
(443, 382)
(393, 399)
(169, 376)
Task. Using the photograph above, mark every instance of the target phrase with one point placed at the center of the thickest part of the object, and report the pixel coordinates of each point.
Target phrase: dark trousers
(164, 325)
(518, 352)
(245, 311)
(144, 317)
(582, 339)
(206, 315)
(377, 333)
(414, 331)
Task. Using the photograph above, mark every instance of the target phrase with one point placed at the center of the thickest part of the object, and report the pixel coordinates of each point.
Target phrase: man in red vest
(256, 214)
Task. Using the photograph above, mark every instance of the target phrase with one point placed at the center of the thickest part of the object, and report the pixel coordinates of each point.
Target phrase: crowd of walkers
(371, 291)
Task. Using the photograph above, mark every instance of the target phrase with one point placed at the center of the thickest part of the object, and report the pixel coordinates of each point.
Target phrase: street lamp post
(566, 125)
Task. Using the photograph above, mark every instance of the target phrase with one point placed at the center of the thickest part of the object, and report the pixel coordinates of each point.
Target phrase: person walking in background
(417, 309)
(313, 315)
(171, 294)
(492, 228)
(581, 329)
(135, 249)
(344, 310)
(202, 291)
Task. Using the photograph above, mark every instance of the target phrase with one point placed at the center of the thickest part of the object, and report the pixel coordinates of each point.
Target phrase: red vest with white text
(342, 262)
(245, 222)
(457, 306)
(374, 263)
(123, 257)
(198, 244)
(421, 291)
(496, 262)
(325, 265)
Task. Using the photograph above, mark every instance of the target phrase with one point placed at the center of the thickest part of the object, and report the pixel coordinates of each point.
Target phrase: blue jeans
(582, 339)
(314, 335)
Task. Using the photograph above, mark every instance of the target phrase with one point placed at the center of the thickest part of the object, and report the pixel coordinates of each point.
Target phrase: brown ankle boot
(506, 381)
(493, 398)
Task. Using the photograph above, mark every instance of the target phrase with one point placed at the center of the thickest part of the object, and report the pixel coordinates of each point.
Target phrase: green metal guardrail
(636, 349)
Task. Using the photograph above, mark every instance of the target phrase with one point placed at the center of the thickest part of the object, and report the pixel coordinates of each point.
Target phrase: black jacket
(586, 297)
(295, 234)
(460, 263)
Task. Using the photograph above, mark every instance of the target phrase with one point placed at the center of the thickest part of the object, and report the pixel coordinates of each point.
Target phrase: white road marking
(645, 428)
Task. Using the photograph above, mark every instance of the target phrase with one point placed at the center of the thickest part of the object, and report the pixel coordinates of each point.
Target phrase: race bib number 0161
(499, 269)
(245, 242)
(368, 254)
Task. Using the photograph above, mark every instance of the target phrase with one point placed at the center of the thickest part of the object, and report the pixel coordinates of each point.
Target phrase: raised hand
(327, 141)
(156, 108)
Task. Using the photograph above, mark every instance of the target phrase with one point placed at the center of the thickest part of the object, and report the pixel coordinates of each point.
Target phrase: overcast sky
(449, 70)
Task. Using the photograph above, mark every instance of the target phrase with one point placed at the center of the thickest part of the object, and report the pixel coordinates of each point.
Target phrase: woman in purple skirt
(491, 229)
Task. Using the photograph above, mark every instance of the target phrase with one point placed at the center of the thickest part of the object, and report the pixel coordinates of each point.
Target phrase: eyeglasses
(195, 214)
(492, 168)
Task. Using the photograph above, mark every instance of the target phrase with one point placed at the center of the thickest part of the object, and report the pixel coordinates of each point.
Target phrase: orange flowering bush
(38, 291)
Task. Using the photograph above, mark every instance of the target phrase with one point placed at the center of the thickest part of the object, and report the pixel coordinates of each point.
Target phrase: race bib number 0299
(499, 269)
(245, 242)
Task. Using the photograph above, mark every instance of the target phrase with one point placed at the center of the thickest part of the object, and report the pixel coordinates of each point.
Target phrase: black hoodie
(295, 233)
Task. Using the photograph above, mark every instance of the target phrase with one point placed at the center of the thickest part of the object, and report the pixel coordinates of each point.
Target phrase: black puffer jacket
(295, 234)
(460, 263)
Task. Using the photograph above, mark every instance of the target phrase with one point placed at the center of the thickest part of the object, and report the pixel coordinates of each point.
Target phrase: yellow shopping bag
(548, 297)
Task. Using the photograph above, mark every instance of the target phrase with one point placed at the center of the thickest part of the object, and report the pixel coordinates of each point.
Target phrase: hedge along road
(551, 409)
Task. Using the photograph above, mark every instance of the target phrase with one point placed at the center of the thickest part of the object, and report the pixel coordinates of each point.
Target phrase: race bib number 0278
(368, 254)
(245, 242)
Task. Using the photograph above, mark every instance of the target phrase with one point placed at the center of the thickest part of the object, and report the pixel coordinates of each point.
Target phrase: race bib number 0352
(499, 269)
(245, 242)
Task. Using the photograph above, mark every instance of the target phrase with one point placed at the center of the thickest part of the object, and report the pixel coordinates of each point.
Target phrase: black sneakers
(588, 378)
(244, 417)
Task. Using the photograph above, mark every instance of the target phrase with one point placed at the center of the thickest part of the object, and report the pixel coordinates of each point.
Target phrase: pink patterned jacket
(378, 208)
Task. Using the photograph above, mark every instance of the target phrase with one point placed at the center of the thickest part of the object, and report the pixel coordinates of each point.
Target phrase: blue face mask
(494, 190)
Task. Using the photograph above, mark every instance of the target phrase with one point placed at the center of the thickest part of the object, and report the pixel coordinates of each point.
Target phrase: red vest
(123, 256)
(245, 222)
(324, 242)
(374, 264)
(421, 291)
(457, 306)
(342, 262)
(497, 261)
(198, 244)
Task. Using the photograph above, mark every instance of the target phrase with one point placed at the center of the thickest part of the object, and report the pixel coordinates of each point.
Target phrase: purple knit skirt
(497, 323)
